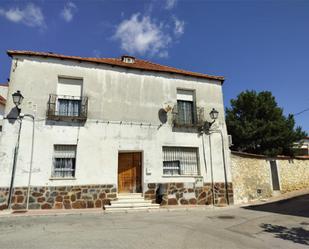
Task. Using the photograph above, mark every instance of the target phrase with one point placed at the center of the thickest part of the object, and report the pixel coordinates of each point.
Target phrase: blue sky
(260, 45)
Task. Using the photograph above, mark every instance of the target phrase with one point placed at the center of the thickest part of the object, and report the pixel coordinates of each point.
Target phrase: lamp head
(17, 98)
(214, 114)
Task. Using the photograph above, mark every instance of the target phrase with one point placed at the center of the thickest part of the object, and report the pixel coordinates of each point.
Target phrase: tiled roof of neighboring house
(2, 100)
(138, 64)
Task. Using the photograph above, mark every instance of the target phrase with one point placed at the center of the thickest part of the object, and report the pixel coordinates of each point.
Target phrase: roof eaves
(130, 66)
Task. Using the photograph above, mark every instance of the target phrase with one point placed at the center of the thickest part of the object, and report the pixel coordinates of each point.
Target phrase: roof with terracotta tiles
(138, 64)
(2, 100)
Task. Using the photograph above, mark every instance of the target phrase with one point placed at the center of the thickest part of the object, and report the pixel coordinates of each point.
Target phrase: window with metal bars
(180, 161)
(64, 161)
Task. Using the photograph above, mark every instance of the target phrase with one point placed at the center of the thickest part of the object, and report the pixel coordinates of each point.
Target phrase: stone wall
(251, 175)
(294, 174)
(63, 197)
(188, 194)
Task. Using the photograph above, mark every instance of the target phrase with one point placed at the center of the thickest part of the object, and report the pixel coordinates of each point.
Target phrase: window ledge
(62, 178)
(180, 176)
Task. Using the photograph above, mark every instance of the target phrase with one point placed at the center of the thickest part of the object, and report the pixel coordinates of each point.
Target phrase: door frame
(142, 166)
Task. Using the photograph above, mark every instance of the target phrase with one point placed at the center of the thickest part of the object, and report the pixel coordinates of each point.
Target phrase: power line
(298, 113)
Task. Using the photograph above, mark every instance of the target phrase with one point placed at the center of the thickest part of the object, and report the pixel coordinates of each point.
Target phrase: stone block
(3, 206)
(46, 206)
(59, 198)
(19, 199)
(18, 192)
(151, 185)
(67, 204)
(79, 204)
(34, 206)
(90, 204)
(172, 201)
(192, 201)
(41, 199)
(98, 203)
(58, 205)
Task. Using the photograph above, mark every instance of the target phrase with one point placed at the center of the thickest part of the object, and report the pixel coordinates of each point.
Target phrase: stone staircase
(130, 202)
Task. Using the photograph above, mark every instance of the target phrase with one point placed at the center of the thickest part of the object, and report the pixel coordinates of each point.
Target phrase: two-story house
(106, 126)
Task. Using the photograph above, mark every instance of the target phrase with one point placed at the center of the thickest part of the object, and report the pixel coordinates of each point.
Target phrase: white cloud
(68, 11)
(179, 26)
(31, 15)
(170, 4)
(142, 35)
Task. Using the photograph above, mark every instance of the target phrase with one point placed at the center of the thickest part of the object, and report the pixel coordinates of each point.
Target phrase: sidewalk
(59, 212)
(280, 197)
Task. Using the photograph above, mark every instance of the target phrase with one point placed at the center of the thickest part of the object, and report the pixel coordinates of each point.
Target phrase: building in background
(302, 147)
(3, 97)
(108, 126)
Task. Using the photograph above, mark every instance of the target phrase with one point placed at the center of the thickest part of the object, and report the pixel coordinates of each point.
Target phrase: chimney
(127, 59)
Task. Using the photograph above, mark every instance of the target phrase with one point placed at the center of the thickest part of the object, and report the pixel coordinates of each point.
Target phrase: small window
(180, 161)
(64, 161)
(185, 107)
(69, 107)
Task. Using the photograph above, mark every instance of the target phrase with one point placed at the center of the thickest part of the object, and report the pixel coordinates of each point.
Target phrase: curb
(40, 213)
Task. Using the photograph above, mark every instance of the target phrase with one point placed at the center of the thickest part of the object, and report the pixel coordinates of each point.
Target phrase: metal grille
(62, 107)
(64, 161)
(180, 161)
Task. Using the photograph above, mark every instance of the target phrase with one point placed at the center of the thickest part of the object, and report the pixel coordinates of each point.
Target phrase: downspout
(212, 173)
(224, 164)
(31, 161)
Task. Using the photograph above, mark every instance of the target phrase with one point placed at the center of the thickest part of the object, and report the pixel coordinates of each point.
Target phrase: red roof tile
(138, 64)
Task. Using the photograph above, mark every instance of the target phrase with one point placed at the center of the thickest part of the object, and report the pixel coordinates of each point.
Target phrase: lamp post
(17, 100)
(207, 130)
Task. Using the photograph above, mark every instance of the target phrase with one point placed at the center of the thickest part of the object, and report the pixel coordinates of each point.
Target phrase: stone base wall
(63, 197)
(188, 194)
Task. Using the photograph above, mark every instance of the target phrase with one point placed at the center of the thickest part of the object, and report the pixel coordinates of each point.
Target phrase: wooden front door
(129, 172)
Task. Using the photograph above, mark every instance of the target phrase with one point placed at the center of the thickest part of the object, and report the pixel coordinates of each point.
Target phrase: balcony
(67, 108)
(188, 118)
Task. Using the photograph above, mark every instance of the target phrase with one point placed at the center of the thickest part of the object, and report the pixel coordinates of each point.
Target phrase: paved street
(283, 224)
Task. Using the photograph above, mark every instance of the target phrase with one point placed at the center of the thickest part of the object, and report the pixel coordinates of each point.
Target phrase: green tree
(258, 125)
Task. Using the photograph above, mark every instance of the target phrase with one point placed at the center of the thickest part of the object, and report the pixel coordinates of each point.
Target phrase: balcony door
(129, 172)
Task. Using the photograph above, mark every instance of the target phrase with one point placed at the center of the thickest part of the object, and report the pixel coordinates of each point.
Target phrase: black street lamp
(17, 98)
(214, 114)
(207, 125)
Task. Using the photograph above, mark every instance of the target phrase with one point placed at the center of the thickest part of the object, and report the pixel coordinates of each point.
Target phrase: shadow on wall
(297, 206)
(295, 234)
(13, 115)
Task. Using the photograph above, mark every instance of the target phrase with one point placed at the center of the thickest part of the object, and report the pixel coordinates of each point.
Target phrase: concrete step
(131, 200)
(129, 195)
(132, 205)
(109, 209)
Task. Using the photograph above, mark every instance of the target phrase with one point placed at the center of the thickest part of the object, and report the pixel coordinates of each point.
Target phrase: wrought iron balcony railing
(67, 108)
(190, 118)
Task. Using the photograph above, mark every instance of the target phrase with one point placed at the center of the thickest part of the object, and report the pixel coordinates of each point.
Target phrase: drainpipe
(212, 172)
(31, 160)
(224, 163)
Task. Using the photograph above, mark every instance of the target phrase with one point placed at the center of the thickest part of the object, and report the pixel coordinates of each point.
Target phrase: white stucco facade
(123, 107)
